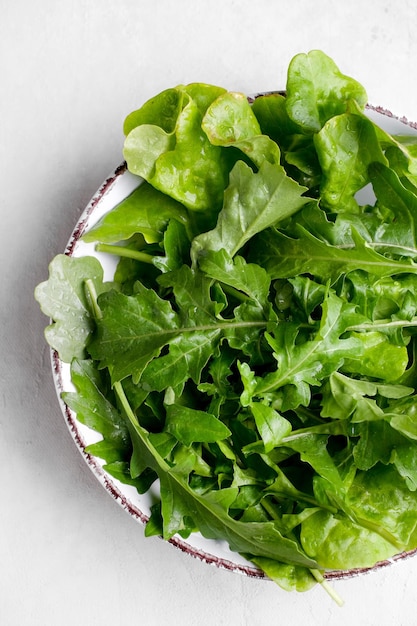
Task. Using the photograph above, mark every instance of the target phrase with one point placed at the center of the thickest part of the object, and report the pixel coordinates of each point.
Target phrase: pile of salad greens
(256, 350)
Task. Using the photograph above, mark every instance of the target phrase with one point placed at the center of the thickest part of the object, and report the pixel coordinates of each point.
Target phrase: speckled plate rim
(209, 551)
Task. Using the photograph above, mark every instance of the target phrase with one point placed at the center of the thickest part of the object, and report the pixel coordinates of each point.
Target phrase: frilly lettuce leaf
(318, 91)
(230, 121)
(175, 156)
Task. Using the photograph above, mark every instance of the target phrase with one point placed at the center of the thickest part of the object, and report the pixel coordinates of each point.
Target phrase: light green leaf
(181, 162)
(379, 358)
(288, 577)
(346, 146)
(230, 121)
(317, 90)
(161, 110)
(63, 298)
(342, 544)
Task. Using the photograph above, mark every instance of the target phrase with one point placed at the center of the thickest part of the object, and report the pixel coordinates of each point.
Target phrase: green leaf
(399, 233)
(404, 459)
(271, 426)
(179, 500)
(271, 112)
(318, 91)
(346, 146)
(253, 201)
(192, 295)
(180, 162)
(313, 450)
(377, 441)
(309, 362)
(285, 257)
(190, 425)
(132, 331)
(343, 396)
(64, 299)
(186, 359)
(250, 279)
(92, 407)
(176, 247)
(230, 121)
(146, 210)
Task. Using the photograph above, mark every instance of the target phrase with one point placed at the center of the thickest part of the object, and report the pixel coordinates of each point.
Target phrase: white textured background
(69, 73)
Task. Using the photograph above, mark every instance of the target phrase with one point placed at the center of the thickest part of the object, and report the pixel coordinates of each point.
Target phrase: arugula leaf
(283, 257)
(146, 210)
(189, 425)
(132, 330)
(251, 279)
(376, 444)
(63, 298)
(186, 359)
(176, 247)
(311, 361)
(400, 233)
(272, 426)
(253, 201)
(90, 403)
(178, 501)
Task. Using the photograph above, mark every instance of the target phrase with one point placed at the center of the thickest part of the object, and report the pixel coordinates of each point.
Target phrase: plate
(113, 190)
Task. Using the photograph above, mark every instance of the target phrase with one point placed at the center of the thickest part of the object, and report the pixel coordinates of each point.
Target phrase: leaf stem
(122, 251)
(92, 296)
(381, 324)
(235, 293)
(328, 588)
(119, 391)
(269, 508)
(408, 251)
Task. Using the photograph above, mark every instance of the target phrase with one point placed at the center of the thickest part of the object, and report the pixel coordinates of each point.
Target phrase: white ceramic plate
(114, 189)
